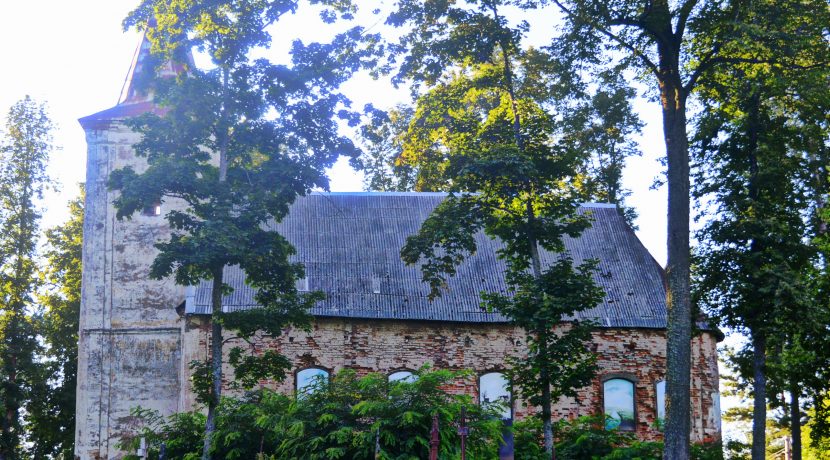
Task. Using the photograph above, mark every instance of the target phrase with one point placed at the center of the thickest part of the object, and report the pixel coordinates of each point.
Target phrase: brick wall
(386, 346)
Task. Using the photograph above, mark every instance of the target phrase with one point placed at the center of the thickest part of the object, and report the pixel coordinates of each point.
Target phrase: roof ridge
(586, 204)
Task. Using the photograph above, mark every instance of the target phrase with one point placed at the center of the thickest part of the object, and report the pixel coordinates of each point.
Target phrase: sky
(75, 56)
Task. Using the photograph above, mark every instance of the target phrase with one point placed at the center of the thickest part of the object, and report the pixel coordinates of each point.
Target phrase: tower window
(660, 389)
(152, 210)
(402, 376)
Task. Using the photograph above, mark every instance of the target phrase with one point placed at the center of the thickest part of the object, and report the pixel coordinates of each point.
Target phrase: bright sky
(74, 56)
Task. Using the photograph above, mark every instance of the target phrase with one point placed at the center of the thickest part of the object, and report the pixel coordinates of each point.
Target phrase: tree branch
(683, 18)
(614, 37)
(705, 64)
(714, 61)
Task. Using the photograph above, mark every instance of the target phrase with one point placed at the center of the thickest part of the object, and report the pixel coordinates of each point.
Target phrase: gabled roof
(350, 245)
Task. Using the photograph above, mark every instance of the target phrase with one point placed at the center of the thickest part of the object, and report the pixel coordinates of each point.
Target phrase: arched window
(308, 377)
(660, 390)
(402, 376)
(493, 388)
(618, 398)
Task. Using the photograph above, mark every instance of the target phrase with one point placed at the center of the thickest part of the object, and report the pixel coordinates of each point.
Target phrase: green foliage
(608, 134)
(678, 45)
(25, 146)
(528, 439)
(708, 451)
(535, 306)
(587, 438)
(181, 434)
(381, 163)
(250, 370)
(51, 410)
(757, 265)
(352, 417)
(496, 130)
(819, 446)
(347, 417)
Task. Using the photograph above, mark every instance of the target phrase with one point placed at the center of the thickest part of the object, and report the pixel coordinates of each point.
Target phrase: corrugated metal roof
(350, 245)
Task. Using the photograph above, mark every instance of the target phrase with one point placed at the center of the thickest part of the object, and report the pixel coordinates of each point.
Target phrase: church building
(138, 335)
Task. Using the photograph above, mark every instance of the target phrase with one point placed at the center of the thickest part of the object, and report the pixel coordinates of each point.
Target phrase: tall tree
(237, 145)
(494, 132)
(755, 255)
(675, 43)
(805, 358)
(51, 410)
(24, 152)
(518, 198)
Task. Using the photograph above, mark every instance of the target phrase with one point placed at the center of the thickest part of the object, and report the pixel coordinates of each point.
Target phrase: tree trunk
(678, 298)
(536, 261)
(795, 419)
(215, 361)
(544, 373)
(759, 403)
(10, 418)
(224, 135)
(547, 412)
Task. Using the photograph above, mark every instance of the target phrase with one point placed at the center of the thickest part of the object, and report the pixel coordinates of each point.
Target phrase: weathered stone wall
(130, 334)
(387, 346)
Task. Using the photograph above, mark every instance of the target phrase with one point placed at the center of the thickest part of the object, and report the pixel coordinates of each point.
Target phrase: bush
(181, 433)
(348, 418)
(586, 438)
(352, 417)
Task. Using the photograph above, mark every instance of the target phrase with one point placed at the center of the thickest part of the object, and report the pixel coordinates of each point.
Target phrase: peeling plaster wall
(387, 346)
(130, 334)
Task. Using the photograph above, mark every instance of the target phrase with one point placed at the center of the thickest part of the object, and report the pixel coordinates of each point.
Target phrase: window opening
(307, 378)
(402, 376)
(493, 388)
(660, 389)
(618, 397)
(152, 210)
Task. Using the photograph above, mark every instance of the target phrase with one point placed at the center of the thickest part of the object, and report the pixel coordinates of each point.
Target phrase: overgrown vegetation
(345, 417)
(368, 418)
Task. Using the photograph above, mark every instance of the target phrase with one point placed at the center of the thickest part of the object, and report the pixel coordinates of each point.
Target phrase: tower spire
(131, 93)
(134, 99)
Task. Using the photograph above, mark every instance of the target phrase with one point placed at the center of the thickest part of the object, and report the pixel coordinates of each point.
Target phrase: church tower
(130, 351)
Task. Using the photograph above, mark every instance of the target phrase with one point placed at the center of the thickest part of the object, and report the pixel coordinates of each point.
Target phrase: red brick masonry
(388, 345)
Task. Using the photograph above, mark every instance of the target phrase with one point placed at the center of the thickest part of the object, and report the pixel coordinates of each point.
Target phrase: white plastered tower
(131, 349)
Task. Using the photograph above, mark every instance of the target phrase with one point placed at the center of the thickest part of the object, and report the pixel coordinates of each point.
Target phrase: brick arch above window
(620, 375)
